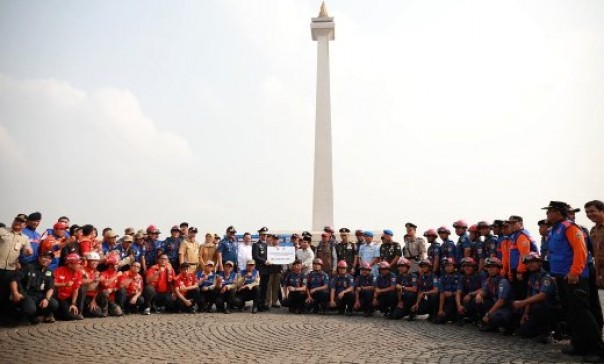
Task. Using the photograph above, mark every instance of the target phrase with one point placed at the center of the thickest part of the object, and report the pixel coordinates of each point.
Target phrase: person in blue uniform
(317, 288)
(494, 299)
(448, 249)
(248, 287)
(541, 309)
(406, 289)
(363, 287)
(447, 288)
(470, 284)
(208, 289)
(433, 249)
(427, 292)
(384, 294)
(226, 285)
(295, 288)
(342, 290)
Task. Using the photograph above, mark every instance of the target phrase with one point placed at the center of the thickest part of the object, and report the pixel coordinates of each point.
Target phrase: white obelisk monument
(322, 29)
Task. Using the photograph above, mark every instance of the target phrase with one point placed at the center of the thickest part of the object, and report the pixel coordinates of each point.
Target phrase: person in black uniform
(259, 250)
(32, 290)
(342, 286)
(347, 251)
(384, 294)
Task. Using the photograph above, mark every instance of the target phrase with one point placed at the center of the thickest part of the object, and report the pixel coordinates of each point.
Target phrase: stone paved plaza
(275, 337)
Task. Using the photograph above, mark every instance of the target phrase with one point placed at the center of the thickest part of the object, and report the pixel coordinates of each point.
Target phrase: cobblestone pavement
(275, 337)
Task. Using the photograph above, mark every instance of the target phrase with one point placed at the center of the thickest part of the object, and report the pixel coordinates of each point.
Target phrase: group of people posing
(496, 275)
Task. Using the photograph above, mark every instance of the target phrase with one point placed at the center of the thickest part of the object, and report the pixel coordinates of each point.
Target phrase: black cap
(570, 209)
(184, 224)
(231, 229)
(515, 218)
(498, 223)
(295, 236)
(410, 225)
(35, 216)
(193, 230)
(21, 217)
(263, 230)
(344, 230)
(542, 223)
(557, 205)
(306, 233)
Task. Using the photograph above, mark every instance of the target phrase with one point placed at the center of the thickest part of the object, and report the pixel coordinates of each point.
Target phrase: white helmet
(93, 256)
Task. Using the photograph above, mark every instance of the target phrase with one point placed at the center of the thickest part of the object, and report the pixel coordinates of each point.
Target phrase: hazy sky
(129, 113)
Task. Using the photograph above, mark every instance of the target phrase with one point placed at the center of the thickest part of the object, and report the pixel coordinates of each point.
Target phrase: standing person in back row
(415, 247)
(259, 254)
(568, 265)
(227, 249)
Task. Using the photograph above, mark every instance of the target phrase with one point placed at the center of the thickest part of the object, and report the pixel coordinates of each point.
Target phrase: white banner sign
(281, 254)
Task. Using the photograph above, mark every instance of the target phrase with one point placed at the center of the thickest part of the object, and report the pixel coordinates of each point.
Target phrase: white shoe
(147, 311)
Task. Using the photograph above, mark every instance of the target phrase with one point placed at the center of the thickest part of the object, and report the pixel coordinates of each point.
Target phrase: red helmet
(430, 232)
(425, 262)
(473, 228)
(152, 228)
(403, 261)
(342, 264)
(318, 261)
(72, 258)
(460, 224)
(111, 260)
(384, 265)
(468, 261)
(444, 230)
(449, 261)
(365, 266)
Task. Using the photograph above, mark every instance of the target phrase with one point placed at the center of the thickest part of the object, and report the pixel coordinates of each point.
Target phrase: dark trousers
(347, 302)
(519, 287)
(5, 278)
(189, 295)
(207, 299)
(225, 298)
(584, 329)
(594, 298)
(98, 311)
(30, 306)
(263, 287)
(366, 301)
(428, 305)
(503, 317)
(158, 299)
(319, 300)
(387, 301)
(123, 300)
(244, 295)
(542, 319)
(63, 312)
(471, 311)
(295, 300)
(408, 300)
(450, 308)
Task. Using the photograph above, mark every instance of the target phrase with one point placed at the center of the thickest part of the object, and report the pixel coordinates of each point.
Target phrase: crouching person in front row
(295, 288)
(130, 295)
(406, 290)
(364, 285)
(427, 292)
(32, 290)
(542, 309)
(494, 300)
(158, 291)
(317, 288)
(342, 286)
(448, 284)
(186, 289)
(248, 287)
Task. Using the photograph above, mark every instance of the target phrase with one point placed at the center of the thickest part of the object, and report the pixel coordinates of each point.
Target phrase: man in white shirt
(305, 255)
(244, 252)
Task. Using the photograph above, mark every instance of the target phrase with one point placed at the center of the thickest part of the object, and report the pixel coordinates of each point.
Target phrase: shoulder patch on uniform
(48, 273)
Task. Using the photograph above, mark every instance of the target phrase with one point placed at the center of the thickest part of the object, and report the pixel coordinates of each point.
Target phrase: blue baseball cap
(368, 233)
(388, 232)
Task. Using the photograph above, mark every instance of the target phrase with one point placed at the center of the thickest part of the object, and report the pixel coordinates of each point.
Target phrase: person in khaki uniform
(12, 243)
(207, 250)
(188, 252)
(595, 212)
(415, 247)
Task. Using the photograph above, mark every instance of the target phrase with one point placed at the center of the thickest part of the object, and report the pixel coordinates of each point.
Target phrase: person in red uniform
(86, 241)
(90, 285)
(186, 289)
(109, 285)
(158, 291)
(130, 294)
(68, 280)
